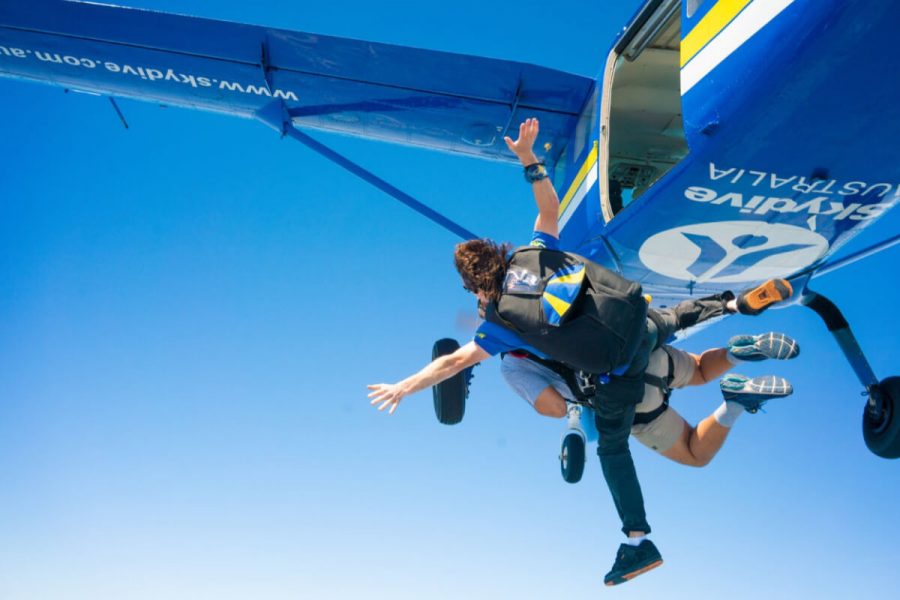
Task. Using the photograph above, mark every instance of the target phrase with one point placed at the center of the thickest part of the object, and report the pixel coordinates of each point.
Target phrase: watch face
(535, 172)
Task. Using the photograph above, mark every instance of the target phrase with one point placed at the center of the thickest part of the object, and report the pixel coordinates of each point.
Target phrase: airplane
(715, 148)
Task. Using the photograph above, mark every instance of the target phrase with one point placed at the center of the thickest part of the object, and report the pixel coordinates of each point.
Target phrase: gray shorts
(661, 433)
(529, 379)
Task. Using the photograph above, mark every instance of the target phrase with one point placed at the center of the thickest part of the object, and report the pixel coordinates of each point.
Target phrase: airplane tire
(450, 394)
(571, 457)
(883, 436)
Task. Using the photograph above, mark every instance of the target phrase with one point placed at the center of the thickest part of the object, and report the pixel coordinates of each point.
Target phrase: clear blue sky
(183, 411)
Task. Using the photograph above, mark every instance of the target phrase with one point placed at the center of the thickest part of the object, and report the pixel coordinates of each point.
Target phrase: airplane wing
(451, 102)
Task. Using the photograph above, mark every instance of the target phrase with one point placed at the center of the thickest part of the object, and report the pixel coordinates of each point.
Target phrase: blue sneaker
(753, 348)
(753, 393)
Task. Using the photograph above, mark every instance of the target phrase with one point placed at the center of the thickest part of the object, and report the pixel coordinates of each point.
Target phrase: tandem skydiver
(555, 390)
(600, 333)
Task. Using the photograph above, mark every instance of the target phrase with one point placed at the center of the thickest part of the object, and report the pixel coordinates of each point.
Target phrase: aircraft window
(619, 197)
(692, 7)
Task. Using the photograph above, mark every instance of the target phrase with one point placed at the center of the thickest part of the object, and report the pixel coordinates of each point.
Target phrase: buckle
(585, 382)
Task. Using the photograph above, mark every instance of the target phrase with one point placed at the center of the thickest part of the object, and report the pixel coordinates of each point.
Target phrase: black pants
(615, 402)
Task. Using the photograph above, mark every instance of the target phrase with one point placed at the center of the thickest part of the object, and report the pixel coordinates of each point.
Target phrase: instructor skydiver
(562, 326)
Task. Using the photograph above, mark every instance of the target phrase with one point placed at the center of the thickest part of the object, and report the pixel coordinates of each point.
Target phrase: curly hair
(482, 266)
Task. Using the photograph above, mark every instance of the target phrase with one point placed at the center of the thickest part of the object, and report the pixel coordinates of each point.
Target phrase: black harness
(584, 385)
(665, 386)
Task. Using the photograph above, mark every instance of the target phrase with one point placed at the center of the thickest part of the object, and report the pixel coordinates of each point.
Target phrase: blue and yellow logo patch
(561, 291)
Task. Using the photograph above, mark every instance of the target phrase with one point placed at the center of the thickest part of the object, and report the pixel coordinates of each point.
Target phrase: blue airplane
(723, 142)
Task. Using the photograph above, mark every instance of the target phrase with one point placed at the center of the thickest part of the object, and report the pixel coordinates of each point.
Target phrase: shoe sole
(762, 297)
(753, 391)
(777, 346)
(773, 345)
(633, 574)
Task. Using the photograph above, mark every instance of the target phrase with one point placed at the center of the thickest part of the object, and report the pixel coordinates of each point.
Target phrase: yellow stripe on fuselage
(579, 178)
(720, 15)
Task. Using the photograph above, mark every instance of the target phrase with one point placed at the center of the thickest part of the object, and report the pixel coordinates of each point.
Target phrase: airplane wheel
(571, 457)
(883, 435)
(449, 395)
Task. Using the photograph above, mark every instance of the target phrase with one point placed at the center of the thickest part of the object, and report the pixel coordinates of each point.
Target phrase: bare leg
(707, 439)
(550, 403)
(710, 365)
(698, 445)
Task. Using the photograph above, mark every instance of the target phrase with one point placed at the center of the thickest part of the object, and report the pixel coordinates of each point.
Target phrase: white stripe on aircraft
(753, 18)
(589, 180)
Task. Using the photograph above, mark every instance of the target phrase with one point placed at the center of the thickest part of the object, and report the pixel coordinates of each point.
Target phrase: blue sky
(183, 410)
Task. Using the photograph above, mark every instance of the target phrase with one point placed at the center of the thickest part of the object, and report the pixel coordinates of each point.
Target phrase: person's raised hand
(523, 147)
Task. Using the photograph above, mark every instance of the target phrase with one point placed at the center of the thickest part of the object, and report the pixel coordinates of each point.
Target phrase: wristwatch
(535, 172)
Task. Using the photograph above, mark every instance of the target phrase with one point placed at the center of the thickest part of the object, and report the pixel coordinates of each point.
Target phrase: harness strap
(582, 385)
(663, 383)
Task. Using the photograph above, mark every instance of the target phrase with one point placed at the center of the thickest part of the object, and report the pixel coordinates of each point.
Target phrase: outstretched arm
(444, 367)
(544, 194)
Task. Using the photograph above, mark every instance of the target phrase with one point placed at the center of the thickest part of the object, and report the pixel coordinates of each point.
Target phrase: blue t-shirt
(494, 338)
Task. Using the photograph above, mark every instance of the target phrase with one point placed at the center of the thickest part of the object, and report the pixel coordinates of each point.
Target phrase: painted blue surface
(779, 174)
(781, 171)
(441, 100)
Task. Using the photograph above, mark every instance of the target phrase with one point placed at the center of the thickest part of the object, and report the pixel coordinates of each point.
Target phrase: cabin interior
(641, 122)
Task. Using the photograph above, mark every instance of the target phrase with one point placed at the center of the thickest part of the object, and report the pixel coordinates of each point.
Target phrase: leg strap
(663, 383)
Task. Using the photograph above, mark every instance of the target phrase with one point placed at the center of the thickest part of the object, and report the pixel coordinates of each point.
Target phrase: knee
(550, 403)
(612, 447)
(555, 410)
(699, 377)
(613, 437)
(698, 461)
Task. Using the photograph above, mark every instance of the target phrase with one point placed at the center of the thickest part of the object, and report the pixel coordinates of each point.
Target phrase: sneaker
(758, 299)
(632, 561)
(753, 393)
(754, 348)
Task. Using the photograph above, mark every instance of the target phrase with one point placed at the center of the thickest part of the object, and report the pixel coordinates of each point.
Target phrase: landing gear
(881, 429)
(574, 442)
(572, 455)
(450, 395)
(881, 421)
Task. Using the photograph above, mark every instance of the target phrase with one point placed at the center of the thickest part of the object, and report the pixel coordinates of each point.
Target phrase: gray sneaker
(754, 348)
(753, 393)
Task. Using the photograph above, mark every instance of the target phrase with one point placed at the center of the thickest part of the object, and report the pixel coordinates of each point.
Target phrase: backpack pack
(572, 309)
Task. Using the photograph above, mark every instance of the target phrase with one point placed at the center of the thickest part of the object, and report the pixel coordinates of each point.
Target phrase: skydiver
(554, 390)
(484, 265)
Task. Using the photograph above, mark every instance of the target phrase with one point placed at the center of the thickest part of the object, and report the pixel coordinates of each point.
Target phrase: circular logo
(732, 251)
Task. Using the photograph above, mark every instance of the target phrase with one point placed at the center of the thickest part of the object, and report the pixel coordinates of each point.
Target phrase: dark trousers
(615, 402)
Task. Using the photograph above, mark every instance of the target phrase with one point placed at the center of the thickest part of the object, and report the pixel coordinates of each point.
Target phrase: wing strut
(852, 258)
(118, 111)
(275, 116)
